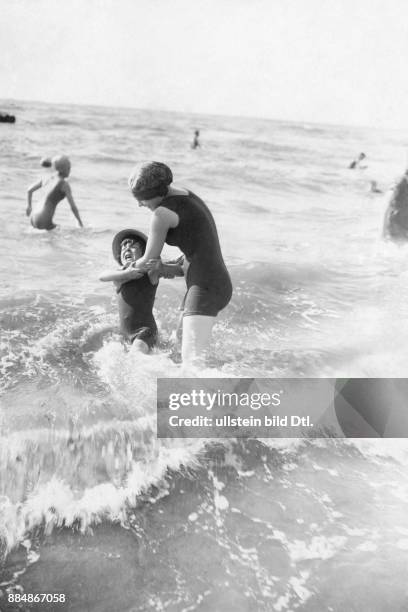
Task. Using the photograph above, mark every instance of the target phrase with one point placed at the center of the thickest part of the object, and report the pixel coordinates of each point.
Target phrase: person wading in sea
(58, 188)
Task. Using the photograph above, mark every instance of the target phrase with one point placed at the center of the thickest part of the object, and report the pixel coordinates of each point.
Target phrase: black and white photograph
(203, 202)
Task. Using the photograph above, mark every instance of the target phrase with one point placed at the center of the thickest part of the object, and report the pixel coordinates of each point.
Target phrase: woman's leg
(138, 346)
(196, 338)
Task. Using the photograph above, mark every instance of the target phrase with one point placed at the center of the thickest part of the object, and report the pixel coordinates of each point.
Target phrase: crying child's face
(130, 250)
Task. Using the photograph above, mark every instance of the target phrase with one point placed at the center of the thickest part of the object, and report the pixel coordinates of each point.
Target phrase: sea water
(92, 504)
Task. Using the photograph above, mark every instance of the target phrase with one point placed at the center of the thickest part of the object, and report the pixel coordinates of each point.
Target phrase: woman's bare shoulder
(165, 216)
(178, 191)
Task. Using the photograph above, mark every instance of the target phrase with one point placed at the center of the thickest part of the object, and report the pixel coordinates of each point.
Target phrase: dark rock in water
(5, 118)
(396, 215)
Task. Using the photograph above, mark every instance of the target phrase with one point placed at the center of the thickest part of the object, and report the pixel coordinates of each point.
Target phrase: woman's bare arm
(166, 269)
(69, 196)
(30, 192)
(163, 219)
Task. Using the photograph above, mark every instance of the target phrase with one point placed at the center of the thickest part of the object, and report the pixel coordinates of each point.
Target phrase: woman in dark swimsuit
(59, 189)
(181, 219)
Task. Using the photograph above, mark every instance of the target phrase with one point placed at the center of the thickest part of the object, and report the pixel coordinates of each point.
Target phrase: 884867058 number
(36, 597)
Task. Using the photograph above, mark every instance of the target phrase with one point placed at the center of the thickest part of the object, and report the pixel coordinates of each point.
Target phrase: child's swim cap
(121, 236)
(150, 180)
(62, 164)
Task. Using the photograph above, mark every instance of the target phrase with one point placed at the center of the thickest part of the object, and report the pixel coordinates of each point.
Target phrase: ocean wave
(82, 480)
(95, 447)
(271, 510)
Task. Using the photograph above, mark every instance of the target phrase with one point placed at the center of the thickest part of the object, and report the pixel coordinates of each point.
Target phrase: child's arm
(68, 194)
(157, 269)
(30, 192)
(173, 268)
(166, 269)
(121, 276)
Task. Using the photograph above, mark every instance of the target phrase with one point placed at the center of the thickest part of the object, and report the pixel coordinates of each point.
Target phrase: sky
(325, 61)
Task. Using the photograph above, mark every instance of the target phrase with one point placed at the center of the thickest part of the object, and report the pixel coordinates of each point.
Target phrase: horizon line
(180, 112)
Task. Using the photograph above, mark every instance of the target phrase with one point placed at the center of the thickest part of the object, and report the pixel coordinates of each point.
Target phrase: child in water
(136, 287)
(58, 189)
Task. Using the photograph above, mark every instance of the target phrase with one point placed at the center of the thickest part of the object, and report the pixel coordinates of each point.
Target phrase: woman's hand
(131, 274)
(135, 273)
(132, 271)
(154, 265)
(168, 269)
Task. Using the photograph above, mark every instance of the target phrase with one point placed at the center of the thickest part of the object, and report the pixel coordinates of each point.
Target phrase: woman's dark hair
(150, 181)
